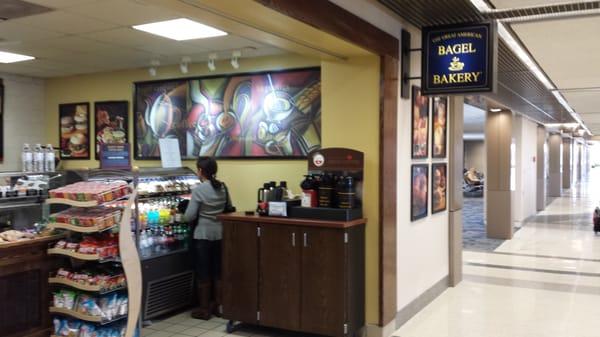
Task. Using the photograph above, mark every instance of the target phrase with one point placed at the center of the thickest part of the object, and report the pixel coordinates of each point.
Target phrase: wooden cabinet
(298, 275)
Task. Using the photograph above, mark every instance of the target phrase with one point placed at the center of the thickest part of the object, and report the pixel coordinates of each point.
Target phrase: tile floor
(545, 282)
(182, 325)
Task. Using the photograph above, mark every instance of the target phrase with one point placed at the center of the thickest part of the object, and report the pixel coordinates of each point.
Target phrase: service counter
(24, 293)
(295, 274)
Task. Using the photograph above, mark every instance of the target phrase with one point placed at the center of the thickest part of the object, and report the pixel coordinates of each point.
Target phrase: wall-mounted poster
(438, 187)
(112, 123)
(420, 124)
(74, 130)
(439, 126)
(257, 115)
(419, 194)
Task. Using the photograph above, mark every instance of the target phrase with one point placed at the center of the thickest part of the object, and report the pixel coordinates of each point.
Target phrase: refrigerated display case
(164, 240)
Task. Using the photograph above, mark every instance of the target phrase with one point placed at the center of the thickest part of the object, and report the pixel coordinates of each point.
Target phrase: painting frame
(436, 101)
(63, 110)
(424, 201)
(122, 107)
(136, 150)
(419, 150)
(434, 167)
(1, 120)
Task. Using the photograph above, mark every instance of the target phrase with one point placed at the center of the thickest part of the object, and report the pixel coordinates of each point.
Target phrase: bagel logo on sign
(318, 160)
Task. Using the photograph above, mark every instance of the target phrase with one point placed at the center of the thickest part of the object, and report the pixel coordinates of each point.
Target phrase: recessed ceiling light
(180, 29)
(6, 57)
(495, 109)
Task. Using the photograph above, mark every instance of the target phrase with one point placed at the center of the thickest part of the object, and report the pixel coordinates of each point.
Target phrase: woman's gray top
(206, 203)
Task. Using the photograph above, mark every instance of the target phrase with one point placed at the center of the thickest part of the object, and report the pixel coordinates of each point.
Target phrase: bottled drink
(38, 158)
(27, 158)
(49, 159)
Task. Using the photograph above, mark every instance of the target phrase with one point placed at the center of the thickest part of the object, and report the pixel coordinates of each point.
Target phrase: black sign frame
(492, 59)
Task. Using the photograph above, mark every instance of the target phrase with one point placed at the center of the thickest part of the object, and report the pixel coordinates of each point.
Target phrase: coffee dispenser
(337, 174)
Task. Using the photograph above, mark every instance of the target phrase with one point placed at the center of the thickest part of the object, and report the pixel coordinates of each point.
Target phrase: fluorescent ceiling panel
(180, 29)
(6, 57)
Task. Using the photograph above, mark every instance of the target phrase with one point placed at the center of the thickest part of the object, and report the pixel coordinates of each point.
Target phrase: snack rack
(99, 303)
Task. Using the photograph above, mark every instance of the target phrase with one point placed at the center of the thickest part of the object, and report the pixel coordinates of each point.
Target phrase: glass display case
(22, 198)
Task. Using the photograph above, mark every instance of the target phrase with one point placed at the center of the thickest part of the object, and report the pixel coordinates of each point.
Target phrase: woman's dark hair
(209, 170)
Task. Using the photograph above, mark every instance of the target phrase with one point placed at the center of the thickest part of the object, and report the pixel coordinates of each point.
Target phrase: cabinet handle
(293, 239)
(305, 240)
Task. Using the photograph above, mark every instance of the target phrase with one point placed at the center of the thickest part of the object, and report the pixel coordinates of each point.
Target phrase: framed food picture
(112, 123)
(439, 127)
(273, 114)
(439, 179)
(420, 124)
(1, 121)
(74, 130)
(419, 193)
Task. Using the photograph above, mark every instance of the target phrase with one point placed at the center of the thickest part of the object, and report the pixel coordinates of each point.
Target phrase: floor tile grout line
(550, 271)
(544, 256)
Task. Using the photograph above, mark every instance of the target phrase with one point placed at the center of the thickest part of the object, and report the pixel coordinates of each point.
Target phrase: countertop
(241, 217)
(34, 241)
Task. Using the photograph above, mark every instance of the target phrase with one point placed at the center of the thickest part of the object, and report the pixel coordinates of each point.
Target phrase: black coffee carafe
(326, 191)
(346, 192)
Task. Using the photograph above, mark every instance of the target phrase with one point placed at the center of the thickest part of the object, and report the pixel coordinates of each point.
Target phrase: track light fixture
(152, 70)
(184, 64)
(235, 57)
(211, 61)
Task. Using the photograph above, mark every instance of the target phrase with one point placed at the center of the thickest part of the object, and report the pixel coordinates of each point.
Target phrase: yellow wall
(350, 118)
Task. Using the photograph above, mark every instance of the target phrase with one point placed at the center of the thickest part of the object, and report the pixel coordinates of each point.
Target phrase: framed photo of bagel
(268, 115)
(111, 123)
(74, 130)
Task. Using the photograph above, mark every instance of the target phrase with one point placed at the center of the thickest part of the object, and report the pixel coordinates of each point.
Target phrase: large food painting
(270, 114)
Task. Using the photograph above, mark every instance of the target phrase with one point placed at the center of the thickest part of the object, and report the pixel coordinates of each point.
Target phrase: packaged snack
(58, 300)
(87, 330)
(69, 299)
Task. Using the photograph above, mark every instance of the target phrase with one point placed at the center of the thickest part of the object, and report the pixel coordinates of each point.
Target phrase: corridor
(543, 282)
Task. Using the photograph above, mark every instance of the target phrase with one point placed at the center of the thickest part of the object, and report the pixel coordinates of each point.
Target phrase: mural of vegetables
(271, 114)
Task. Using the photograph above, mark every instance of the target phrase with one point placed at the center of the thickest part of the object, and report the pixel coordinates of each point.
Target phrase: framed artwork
(275, 114)
(420, 124)
(112, 123)
(439, 179)
(439, 126)
(1, 121)
(419, 191)
(74, 130)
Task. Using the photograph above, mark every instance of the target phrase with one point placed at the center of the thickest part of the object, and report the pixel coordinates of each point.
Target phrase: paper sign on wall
(170, 156)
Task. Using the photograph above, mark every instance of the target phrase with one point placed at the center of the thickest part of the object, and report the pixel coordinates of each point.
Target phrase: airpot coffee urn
(332, 188)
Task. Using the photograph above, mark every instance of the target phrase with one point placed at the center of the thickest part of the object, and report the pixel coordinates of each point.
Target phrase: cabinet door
(323, 281)
(240, 271)
(279, 289)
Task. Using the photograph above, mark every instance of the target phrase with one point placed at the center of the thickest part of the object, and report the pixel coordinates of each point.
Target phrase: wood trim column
(455, 192)
(332, 19)
(387, 189)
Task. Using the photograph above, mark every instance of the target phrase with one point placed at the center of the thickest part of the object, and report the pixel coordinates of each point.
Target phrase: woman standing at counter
(209, 199)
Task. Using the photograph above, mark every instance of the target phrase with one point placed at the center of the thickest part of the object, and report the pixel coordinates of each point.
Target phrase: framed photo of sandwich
(420, 124)
(112, 123)
(74, 130)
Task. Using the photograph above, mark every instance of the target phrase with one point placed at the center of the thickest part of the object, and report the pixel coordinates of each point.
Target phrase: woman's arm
(191, 212)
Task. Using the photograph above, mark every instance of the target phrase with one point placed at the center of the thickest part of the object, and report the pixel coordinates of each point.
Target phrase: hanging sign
(459, 59)
(115, 156)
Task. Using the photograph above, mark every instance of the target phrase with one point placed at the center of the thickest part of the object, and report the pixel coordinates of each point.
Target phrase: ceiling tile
(10, 32)
(228, 42)
(506, 4)
(60, 3)
(129, 12)
(570, 54)
(584, 101)
(63, 22)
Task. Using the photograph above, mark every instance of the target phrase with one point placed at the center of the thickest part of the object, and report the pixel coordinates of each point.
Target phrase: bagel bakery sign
(459, 59)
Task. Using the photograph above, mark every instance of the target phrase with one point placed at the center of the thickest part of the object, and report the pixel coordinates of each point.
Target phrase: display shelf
(145, 256)
(80, 256)
(79, 229)
(84, 317)
(96, 289)
(73, 203)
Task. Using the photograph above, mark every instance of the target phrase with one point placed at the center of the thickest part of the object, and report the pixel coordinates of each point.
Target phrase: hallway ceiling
(518, 88)
(87, 36)
(570, 57)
